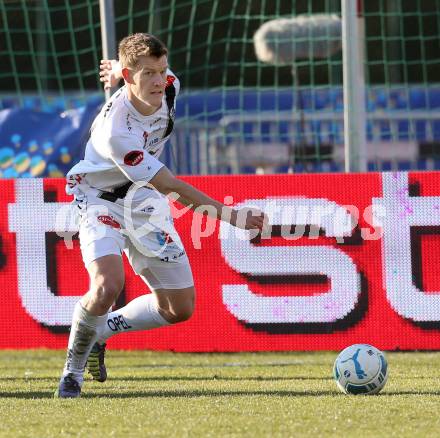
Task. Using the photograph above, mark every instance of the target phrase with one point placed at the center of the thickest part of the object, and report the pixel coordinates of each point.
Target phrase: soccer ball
(360, 369)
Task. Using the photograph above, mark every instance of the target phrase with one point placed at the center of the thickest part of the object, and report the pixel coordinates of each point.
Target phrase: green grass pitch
(214, 395)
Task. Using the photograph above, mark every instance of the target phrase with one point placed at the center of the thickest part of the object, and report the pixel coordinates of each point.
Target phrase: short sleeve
(135, 163)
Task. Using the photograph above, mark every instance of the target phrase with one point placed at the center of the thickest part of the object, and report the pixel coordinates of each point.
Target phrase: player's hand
(110, 73)
(250, 219)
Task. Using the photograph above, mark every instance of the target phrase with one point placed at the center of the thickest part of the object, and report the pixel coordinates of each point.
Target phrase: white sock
(140, 314)
(83, 334)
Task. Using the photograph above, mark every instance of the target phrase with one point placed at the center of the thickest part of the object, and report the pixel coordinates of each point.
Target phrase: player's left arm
(165, 182)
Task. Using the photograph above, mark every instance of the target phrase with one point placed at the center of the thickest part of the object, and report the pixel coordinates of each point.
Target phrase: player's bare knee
(176, 306)
(105, 291)
(174, 318)
(184, 313)
(178, 314)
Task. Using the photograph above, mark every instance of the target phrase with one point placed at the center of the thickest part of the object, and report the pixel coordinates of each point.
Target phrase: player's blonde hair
(132, 47)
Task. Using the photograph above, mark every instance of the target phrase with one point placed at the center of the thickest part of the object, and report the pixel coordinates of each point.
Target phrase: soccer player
(120, 191)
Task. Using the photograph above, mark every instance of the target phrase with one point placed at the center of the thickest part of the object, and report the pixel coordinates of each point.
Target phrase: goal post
(354, 87)
(108, 33)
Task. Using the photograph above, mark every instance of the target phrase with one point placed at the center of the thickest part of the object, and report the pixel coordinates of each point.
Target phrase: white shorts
(143, 230)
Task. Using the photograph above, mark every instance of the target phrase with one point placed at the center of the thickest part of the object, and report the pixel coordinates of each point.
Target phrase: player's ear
(127, 75)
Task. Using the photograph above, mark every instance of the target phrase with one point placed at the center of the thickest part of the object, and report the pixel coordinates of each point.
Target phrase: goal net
(237, 112)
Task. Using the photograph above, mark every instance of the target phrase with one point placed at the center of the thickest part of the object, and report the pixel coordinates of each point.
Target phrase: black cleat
(95, 363)
(68, 388)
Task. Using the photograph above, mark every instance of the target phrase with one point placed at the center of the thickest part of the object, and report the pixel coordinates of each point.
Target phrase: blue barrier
(37, 143)
(44, 137)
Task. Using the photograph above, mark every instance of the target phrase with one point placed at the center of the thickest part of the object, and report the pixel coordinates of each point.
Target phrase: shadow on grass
(28, 379)
(174, 378)
(273, 393)
(169, 394)
(215, 378)
(413, 392)
(223, 365)
(197, 394)
(27, 395)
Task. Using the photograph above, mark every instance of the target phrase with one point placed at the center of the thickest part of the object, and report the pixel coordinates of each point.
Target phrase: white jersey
(124, 145)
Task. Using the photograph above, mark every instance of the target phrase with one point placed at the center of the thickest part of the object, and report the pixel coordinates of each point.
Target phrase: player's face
(149, 80)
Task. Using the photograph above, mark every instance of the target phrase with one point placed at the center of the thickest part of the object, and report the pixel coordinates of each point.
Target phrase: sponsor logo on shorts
(171, 258)
(109, 220)
(133, 158)
(148, 209)
(75, 179)
(164, 238)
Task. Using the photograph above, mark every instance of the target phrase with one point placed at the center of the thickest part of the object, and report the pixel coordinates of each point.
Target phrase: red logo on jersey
(170, 80)
(109, 220)
(133, 158)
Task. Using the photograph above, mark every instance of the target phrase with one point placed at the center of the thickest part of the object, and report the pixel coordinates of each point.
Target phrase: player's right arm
(110, 73)
(143, 169)
(165, 182)
(127, 152)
